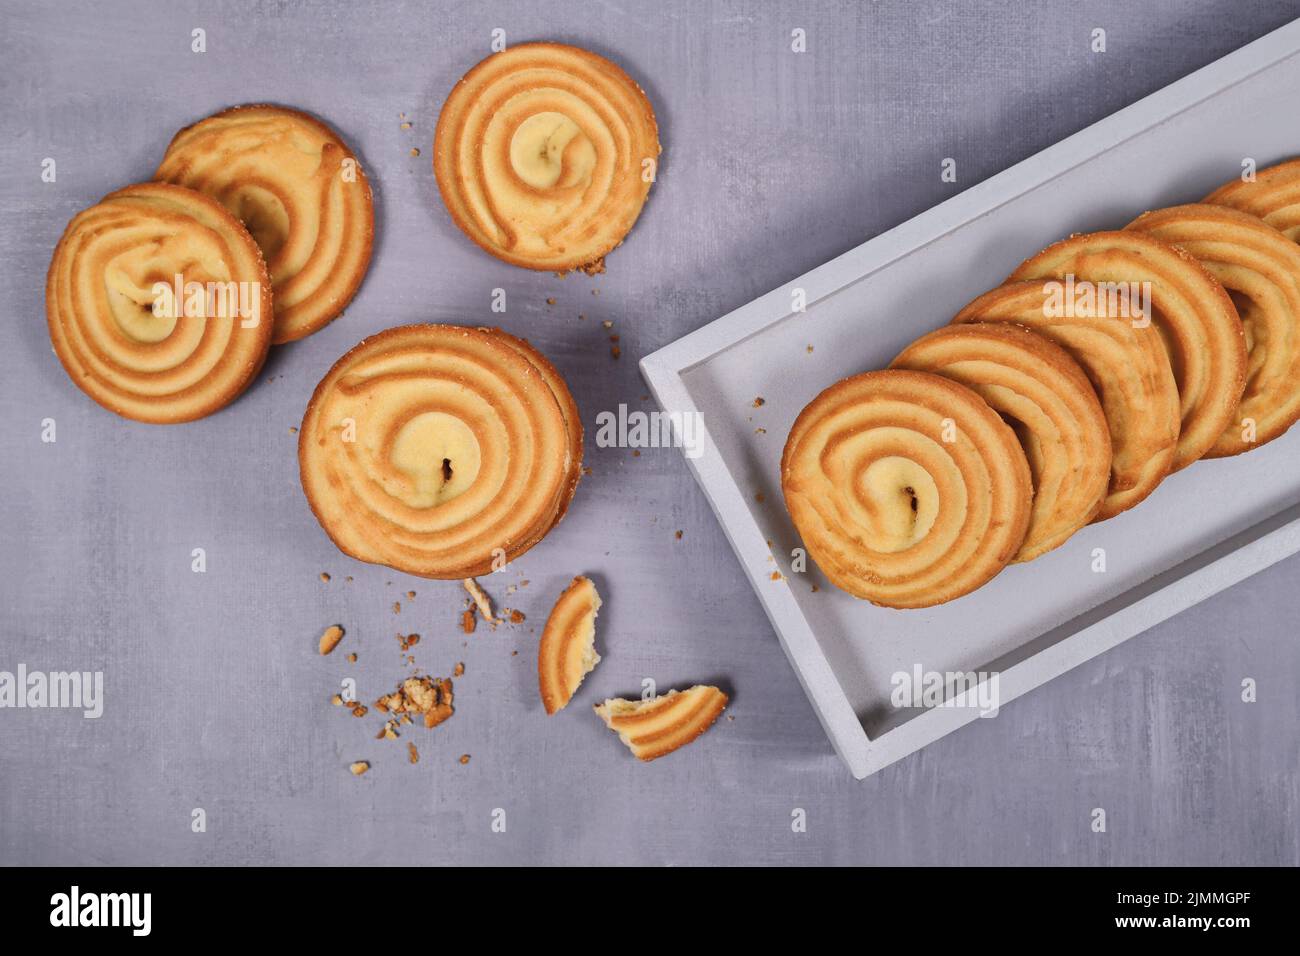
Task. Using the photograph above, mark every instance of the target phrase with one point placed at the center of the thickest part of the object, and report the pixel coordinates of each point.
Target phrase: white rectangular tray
(1203, 530)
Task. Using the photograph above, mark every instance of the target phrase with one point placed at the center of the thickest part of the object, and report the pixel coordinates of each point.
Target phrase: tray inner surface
(1191, 519)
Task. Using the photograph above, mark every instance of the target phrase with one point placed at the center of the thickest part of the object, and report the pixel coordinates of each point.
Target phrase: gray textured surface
(773, 163)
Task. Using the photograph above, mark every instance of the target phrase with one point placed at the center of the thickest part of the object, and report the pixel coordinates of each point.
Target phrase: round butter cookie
(544, 155)
(1197, 321)
(1127, 367)
(440, 450)
(158, 304)
(1274, 196)
(907, 489)
(1048, 401)
(302, 194)
(1260, 268)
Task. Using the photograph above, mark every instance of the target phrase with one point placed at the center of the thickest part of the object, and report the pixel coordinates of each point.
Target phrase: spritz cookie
(302, 194)
(158, 304)
(439, 450)
(544, 155)
(906, 488)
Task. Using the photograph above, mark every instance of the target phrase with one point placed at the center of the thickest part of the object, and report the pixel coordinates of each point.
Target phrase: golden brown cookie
(158, 304)
(545, 154)
(440, 450)
(1273, 196)
(658, 726)
(1047, 399)
(566, 652)
(1128, 369)
(302, 194)
(1260, 268)
(906, 487)
(1199, 326)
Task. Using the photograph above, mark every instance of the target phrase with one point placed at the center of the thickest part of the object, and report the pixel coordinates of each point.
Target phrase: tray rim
(664, 371)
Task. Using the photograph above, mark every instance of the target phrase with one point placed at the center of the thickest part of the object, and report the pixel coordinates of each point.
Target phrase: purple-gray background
(773, 162)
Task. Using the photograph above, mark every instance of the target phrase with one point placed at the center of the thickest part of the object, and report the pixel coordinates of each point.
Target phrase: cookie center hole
(446, 470)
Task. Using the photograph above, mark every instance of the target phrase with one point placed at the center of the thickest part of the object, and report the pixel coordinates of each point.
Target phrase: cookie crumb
(397, 607)
(464, 758)
(759, 402)
(678, 535)
(352, 658)
(414, 754)
(324, 576)
(615, 351)
(431, 697)
(459, 671)
(467, 621)
(517, 617)
(360, 767)
(415, 151)
(550, 300)
(330, 638)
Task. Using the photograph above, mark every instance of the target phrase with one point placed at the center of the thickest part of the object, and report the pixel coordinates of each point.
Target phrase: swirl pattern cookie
(1260, 268)
(439, 450)
(1127, 367)
(1199, 325)
(1274, 196)
(907, 489)
(544, 155)
(158, 304)
(1047, 399)
(302, 194)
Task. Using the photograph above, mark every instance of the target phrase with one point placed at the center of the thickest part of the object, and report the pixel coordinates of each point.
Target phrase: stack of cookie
(1104, 363)
(164, 298)
(440, 450)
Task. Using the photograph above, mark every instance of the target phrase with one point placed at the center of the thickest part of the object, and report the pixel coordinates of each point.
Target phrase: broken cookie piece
(655, 727)
(567, 651)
